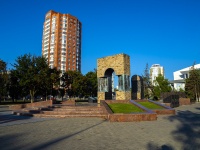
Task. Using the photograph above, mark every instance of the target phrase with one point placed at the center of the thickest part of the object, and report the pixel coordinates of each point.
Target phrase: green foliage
(50, 82)
(192, 85)
(156, 93)
(92, 84)
(15, 90)
(83, 85)
(32, 76)
(77, 85)
(150, 105)
(124, 108)
(3, 80)
(148, 87)
(181, 90)
(65, 82)
(162, 85)
(2, 66)
(32, 73)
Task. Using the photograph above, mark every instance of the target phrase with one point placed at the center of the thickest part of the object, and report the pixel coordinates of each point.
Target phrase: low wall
(180, 102)
(184, 101)
(167, 104)
(29, 105)
(116, 101)
(70, 102)
(165, 111)
(132, 117)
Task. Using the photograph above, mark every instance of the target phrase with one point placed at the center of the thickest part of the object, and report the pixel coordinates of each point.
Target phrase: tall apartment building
(155, 70)
(61, 42)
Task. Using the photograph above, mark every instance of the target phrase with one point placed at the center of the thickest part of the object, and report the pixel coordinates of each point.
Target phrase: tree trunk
(46, 95)
(32, 93)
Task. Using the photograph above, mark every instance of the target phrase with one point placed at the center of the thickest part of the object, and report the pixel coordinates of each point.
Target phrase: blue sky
(165, 32)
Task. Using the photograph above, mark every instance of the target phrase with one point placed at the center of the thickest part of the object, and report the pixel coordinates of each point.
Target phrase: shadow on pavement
(10, 118)
(6, 115)
(6, 142)
(49, 143)
(153, 146)
(188, 131)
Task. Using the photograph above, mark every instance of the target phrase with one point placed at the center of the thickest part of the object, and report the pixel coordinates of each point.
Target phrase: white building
(180, 76)
(155, 70)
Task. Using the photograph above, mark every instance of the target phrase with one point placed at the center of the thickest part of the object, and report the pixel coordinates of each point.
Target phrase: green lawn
(150, 105)
(124, 108)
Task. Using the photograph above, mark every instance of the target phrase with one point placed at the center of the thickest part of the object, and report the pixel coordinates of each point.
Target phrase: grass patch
(150, 105)
(124, 108)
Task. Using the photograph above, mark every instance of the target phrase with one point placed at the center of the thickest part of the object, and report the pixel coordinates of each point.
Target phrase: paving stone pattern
(175, 132)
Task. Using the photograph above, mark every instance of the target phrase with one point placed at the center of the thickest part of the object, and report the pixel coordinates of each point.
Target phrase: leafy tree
(61, 92)
(65, 83)
(148, 87)
(192, 85)
(82, 86)
(53, 82)
(77, 87)
(92, 83)
(29, 71)
(15, 90)
(50, 81)
(162, 85)
(181, 90)
(3, 79)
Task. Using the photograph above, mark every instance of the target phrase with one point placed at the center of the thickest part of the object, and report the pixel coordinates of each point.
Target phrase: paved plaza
(175, 132)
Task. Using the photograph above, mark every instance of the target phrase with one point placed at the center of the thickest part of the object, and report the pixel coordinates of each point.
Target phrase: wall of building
(181, 75)
(61, 43)
(155, 70)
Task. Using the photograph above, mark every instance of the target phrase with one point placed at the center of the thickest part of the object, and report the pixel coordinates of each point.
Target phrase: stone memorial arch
(120, 64)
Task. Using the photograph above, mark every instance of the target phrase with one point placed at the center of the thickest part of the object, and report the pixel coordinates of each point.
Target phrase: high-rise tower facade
(61, 42)
(155, 70)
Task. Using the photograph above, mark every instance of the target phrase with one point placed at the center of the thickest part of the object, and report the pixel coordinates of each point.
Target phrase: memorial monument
(120, 64)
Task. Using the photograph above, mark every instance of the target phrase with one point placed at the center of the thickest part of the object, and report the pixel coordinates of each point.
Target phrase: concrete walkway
(178, 132)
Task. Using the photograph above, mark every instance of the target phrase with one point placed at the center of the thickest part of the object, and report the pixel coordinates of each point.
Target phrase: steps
(64, 111)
